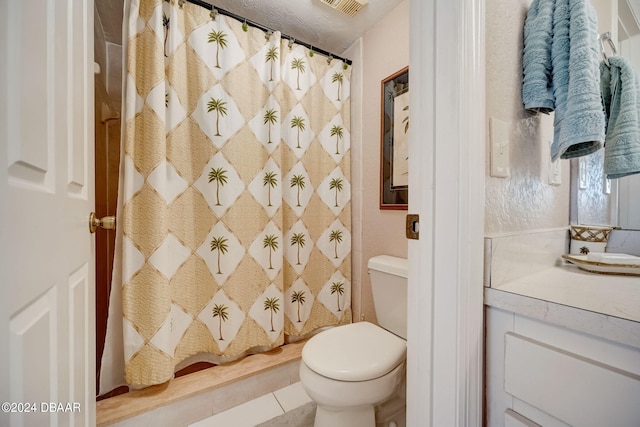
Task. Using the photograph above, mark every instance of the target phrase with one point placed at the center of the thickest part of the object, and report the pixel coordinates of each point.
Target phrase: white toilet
(349, 369)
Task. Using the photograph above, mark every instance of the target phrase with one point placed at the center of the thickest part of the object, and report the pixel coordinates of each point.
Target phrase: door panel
(33, 332)
(46, 188)
(81, 345)
(28, 144)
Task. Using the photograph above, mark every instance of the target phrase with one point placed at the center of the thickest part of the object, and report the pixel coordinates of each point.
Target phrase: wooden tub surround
(137, 402)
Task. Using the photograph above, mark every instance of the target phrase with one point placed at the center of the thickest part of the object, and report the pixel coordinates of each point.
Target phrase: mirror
(394, 138)
(594, 199)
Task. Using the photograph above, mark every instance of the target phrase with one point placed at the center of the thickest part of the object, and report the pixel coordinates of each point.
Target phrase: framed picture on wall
(394, 139)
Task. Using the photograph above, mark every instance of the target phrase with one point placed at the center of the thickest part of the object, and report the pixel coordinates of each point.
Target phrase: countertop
(603, 305)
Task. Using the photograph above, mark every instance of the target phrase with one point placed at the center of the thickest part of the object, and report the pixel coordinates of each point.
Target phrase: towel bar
(607, 37)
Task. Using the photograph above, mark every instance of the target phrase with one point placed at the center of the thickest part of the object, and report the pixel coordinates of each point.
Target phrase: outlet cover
(499, 131)
(583, 177)
(555, 170)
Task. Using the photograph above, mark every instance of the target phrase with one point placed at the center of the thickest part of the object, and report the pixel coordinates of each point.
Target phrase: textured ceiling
(309, 21)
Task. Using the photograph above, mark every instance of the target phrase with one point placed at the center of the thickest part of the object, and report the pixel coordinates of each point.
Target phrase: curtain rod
(266, 29)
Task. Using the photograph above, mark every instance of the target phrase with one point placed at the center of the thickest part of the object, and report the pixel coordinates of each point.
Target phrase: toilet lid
(355, 352)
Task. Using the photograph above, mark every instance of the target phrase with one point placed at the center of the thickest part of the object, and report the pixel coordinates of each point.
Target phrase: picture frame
(394, 138)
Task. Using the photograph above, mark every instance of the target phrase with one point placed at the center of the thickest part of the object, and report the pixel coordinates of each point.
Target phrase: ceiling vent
(348, 7)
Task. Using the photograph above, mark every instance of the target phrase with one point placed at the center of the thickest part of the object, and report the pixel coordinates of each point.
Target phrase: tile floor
(289, 406)
(202, 405)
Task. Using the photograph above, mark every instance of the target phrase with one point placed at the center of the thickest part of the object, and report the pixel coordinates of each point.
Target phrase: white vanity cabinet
(539, 371)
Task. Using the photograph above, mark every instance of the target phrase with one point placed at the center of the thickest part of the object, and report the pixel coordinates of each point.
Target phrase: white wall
(525, 200)
(382, 51)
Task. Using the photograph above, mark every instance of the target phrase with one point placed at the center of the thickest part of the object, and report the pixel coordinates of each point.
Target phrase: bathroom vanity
(562, 344)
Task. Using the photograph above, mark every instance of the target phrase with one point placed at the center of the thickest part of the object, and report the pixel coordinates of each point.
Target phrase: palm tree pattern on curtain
(220, 311)
(220, 39)
(298, 298)
(270, 180)
(338, 77)
(271, 304)
(338, 289)
(270, 118)
(317, 174)
(235, 207)
(220, 108)
(298, 123)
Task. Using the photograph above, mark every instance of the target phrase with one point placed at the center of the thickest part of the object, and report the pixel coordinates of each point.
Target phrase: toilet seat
(356, 352)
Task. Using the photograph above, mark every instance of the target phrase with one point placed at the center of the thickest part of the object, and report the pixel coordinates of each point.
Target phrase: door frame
(447, 153)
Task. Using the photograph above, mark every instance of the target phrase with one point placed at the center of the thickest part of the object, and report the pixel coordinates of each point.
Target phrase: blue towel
(574, 74)
(579, 118)
(621, 96)
(537, 94)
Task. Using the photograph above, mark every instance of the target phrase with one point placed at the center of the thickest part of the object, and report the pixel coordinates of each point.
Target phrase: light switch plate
(499, 132)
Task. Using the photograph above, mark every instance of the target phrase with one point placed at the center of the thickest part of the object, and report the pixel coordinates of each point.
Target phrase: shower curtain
(234, 209)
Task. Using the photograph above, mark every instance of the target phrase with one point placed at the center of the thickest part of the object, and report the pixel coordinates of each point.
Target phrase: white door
(47, 362)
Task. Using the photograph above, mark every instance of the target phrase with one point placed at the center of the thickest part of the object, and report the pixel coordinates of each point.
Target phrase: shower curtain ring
(329, 59)
(181, 3)
(214, 14)
(291, 42)
(268, 34)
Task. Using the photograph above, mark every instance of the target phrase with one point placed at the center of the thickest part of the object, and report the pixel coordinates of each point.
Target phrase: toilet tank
(389, 286)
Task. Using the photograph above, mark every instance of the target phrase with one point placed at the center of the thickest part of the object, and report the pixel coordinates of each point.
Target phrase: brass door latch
(106, 223)
(413, 226)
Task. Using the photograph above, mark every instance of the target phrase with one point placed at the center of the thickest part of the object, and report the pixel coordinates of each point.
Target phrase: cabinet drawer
(574, 389)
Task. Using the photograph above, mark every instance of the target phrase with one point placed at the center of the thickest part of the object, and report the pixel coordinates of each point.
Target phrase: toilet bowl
(348, 370)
